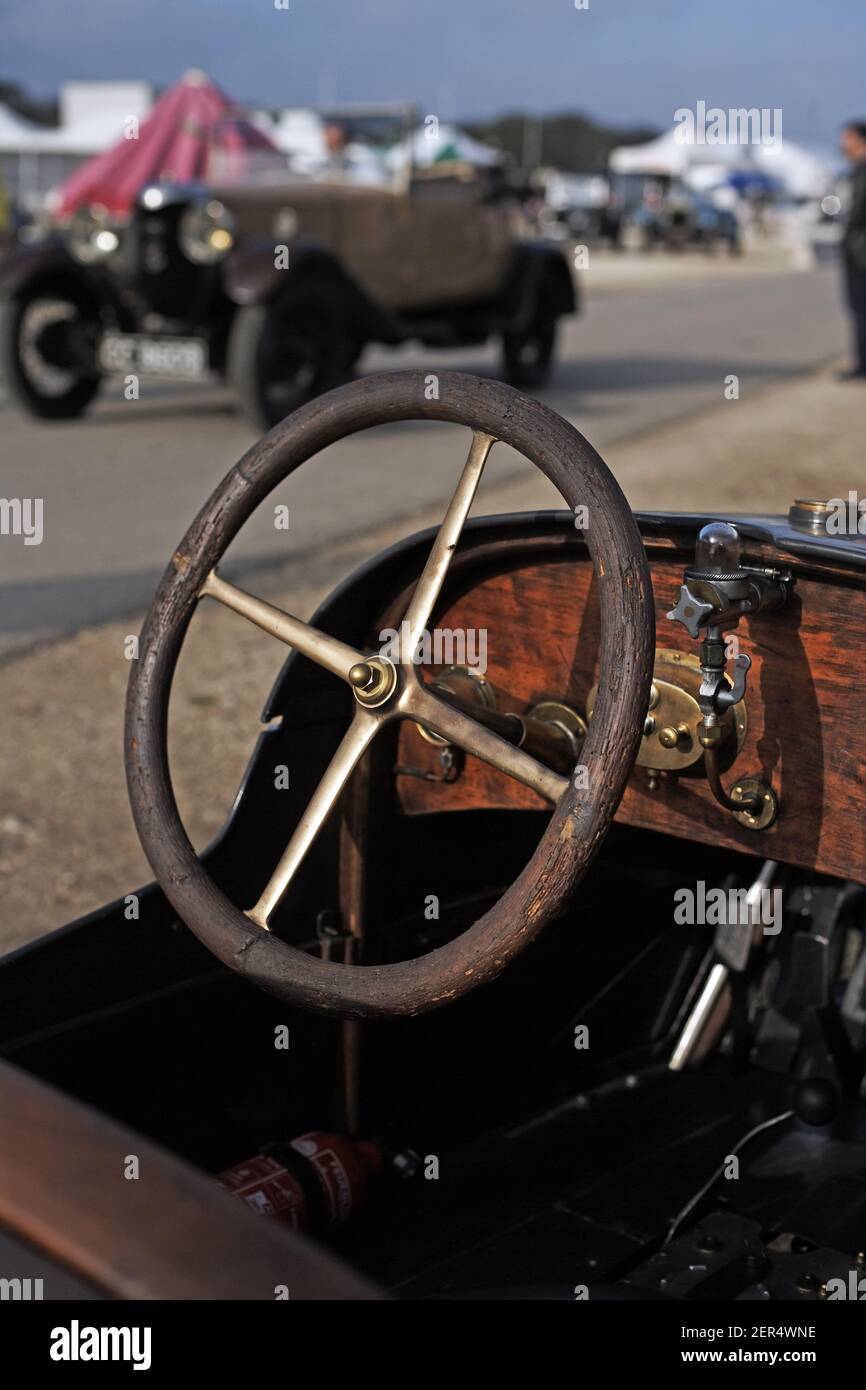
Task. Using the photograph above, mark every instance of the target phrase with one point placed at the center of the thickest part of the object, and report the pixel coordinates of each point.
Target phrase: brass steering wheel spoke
(432, 577)
(416, 701)
(458, 728)
(329, 652)
(354, 744)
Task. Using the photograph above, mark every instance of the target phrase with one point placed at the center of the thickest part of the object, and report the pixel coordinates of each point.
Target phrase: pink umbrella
(191, 130)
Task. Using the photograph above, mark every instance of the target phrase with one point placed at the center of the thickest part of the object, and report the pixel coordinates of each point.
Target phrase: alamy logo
(846, 516)
(77, 1343)
(22, 516)
(854, 1289)
(445, 646)
(721, 907)
(739, 125)
(20, 1290)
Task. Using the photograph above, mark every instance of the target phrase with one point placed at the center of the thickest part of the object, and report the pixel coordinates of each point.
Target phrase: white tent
(801, 174)
(664, 157)
(441, 143)
(17, 134)
(300, 134)
(93, 115)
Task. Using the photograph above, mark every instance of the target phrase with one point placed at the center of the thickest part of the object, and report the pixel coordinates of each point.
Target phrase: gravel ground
(67, 842)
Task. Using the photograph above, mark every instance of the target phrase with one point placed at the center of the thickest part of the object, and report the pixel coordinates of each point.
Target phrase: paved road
(120, 486)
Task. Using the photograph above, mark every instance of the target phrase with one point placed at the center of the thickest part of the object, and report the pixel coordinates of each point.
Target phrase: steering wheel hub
(373, 681)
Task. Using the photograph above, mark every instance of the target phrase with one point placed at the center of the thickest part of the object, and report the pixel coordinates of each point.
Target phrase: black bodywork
(559, 1168)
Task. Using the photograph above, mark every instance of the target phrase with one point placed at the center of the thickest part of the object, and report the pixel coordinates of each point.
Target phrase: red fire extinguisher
(314, 1183)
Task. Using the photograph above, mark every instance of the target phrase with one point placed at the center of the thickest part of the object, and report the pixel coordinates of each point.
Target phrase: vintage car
(542, 976)
(684, 218)
(278, 287)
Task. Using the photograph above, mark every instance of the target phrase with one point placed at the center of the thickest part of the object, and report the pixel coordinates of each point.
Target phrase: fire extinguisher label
(335, 1180)
(269, 1188)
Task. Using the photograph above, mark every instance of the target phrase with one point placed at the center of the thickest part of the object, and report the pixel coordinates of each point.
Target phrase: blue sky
(623, 61)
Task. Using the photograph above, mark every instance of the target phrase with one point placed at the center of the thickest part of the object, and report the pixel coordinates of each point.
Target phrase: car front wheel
(48, 347)
(282, 355)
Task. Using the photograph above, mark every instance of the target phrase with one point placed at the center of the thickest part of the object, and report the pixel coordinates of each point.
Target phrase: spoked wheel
(49, 351)
(386, 690)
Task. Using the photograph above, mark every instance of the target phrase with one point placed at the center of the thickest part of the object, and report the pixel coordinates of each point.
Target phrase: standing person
(853, 145)
(335, 148)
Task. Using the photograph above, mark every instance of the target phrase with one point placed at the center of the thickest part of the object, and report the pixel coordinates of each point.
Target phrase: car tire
(281, 355)
(527, 353)
(45, 404)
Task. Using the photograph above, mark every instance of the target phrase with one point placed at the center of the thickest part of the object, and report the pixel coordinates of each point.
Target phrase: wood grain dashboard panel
(805, 725)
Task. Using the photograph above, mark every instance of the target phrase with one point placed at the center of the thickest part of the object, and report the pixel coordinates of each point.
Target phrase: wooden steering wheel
(386, 690)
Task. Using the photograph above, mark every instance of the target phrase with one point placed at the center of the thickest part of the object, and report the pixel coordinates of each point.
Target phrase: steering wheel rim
(582, 814)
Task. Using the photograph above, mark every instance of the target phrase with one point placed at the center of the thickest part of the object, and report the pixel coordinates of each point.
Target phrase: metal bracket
(451, 761)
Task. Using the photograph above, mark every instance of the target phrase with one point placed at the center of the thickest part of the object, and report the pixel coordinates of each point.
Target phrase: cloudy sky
(624, 61)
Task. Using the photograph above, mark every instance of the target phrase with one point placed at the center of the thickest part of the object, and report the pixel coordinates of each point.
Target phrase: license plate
(148, 356)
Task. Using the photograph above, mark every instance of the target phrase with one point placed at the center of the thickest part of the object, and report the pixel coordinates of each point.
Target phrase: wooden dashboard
(804, 734)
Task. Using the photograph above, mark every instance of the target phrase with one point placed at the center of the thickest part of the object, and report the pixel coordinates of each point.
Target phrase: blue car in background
(684, 219)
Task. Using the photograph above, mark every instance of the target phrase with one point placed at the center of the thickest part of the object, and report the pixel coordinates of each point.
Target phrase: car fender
(252, 277)
(26, 264)
(536, 262)
(46, 261)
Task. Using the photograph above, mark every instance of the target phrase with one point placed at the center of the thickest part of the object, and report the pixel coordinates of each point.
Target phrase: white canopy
(299, 133)
(18, 136)
(432, 145)
(93, 115)
(801, 174)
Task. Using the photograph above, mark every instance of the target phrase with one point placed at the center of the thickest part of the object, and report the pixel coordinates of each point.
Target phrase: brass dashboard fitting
(565, 725)
(671, 736)
(716, 592)
(753, 803)
(678, 737)
(808, 514)
(672, 730)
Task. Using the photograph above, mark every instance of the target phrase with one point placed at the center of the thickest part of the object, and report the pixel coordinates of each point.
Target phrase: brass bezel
(674, 705)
